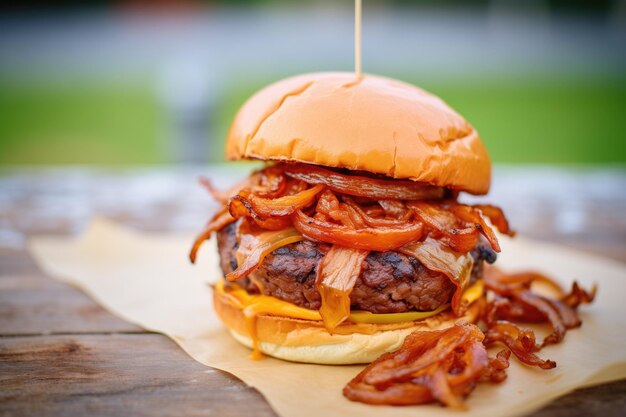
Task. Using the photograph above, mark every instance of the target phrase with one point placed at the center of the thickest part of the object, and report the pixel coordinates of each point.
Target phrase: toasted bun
(308, 341)
(373, 124)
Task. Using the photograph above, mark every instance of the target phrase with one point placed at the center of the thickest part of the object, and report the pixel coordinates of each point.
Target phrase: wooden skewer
(357, 38)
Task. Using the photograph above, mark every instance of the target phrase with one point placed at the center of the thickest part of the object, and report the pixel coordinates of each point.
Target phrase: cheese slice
(264, 304)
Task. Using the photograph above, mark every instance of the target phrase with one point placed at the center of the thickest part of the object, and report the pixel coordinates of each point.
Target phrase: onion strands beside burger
(430, 366)
(425, 368)
(516, 301)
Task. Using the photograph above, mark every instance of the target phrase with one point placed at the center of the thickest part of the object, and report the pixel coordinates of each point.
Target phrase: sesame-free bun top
(374, 124)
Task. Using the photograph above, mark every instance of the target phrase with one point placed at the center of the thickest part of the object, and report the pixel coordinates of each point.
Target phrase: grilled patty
(390, 282)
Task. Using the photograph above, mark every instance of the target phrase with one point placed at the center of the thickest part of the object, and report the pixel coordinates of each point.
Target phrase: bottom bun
(308, 341)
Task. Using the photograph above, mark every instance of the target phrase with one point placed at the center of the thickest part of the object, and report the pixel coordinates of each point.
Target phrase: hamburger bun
(308, 341)
(374, 124)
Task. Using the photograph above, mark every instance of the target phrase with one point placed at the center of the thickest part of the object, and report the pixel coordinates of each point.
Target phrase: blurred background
(113, 108)
(127, 83)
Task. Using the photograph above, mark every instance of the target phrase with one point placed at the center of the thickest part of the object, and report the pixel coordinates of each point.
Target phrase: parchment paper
(147, 279)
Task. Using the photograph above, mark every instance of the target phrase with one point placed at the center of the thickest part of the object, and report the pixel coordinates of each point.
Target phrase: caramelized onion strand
(363, 186)
(335, 280)
(220, 220)
(369, 238)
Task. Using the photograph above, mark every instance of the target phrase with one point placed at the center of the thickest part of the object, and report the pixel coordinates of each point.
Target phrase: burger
(352, 236)
(352, 245)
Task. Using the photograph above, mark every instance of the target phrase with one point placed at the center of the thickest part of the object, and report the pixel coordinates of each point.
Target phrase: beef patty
(390, 282)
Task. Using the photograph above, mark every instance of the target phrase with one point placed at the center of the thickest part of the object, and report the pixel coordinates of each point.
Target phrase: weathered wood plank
(147, 374)
(16, 262)
(115, 375)
(33, 304)
(607, 400)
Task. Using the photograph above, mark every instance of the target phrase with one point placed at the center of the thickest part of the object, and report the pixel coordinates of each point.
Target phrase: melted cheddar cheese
(253, 304)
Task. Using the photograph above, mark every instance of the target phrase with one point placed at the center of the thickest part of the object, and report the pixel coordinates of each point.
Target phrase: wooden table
(62, 354)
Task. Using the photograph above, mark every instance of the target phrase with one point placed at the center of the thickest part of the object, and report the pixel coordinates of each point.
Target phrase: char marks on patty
(390, 282)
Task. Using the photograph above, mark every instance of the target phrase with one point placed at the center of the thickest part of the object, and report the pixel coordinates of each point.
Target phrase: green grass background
(522, 120)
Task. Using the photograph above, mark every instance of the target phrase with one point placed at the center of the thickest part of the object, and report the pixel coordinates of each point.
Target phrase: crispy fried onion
(220, 195)
(496, 217)
(515, 301)
(430, 366)
(433, 366)
(437, 257)
(361, 212)
(220, 220)
(496, 371)
(269, 183)
(519, 341)
(335, 280)
(459, 225)
(246, 203)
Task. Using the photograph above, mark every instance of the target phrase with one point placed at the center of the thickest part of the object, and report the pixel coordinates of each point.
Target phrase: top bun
(374, 124)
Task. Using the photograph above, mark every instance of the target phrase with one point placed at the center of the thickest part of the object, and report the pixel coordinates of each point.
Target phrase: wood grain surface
(62, 354)
(115, 374)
